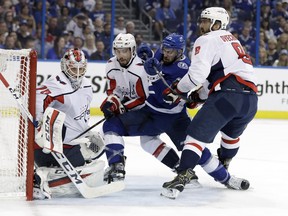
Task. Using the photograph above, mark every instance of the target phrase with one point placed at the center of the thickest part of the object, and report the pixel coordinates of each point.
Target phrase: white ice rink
(262, 159)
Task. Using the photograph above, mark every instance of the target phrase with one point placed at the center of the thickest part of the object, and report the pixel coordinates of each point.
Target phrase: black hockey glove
(172, 94)
(195, 99)
(112, 106)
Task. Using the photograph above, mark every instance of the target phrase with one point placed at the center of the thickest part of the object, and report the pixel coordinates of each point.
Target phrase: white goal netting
(14, 125)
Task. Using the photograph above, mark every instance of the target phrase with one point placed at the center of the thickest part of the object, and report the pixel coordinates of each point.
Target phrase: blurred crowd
(87, 25)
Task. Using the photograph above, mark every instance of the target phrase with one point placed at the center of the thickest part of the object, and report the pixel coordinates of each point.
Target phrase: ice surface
(262, 159)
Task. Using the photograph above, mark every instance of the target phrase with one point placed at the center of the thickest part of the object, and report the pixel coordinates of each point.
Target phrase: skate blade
(193, 184)
(170, 193)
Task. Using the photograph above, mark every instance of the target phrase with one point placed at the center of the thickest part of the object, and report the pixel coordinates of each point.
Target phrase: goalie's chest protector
(74, 103)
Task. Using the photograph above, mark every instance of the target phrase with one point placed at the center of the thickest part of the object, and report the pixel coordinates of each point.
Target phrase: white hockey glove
(50, 135)
(93, 147)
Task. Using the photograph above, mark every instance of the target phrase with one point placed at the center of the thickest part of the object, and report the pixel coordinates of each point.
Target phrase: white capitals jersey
(58, 93)
(129, 84)
(214, 56)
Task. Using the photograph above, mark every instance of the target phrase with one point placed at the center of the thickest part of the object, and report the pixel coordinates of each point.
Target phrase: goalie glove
(112, 106)
(50, 135)
(92, 145)
(195, 99)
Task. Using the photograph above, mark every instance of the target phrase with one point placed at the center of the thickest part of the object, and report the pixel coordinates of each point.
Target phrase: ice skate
(225, 161)
(237, 183)
(41, 189)
(116, 171)
(173, 188)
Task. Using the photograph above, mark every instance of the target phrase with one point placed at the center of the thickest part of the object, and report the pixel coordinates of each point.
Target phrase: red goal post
(18, 67)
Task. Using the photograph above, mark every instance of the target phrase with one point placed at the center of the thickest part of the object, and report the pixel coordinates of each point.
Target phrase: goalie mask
(216, 14)
(121, 44)
(74, 66)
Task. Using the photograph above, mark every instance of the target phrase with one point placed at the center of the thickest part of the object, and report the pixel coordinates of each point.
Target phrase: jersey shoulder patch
(182, 65)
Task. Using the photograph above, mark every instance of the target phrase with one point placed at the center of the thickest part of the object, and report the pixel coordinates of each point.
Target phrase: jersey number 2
(241, 53)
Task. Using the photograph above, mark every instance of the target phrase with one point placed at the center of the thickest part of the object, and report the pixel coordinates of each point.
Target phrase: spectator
(37, 12)
(98, 11)
(30, 43)
(120, 26)
(58, 49)
(9, 20)
(282, 42)
(23, 32)
(272, 53)
(78, 42)
(17, 42)
(77, 24)
(64, 17)
(268, 31)
(89, 45)
(282, 61)
(53, 27)
(164, 18)
(263, 60)
(25, 14)
(68, 36)
(10, 43)
(100, 54)
(106, 37)
(78, 8)
(98, 27)
(139, 39)
(130, 27)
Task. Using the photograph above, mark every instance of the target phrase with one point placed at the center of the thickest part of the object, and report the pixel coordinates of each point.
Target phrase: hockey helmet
(74, 66)
(216, 13)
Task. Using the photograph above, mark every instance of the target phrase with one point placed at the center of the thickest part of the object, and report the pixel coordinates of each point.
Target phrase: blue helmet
(174, 41)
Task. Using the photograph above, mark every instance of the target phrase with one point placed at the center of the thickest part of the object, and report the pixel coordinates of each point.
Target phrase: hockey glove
(144, 52)
(150, 65)
(112, 106)
(172, 94)
(195, 99)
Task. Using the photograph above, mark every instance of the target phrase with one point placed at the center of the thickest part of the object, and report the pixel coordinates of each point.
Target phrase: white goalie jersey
(57, 92)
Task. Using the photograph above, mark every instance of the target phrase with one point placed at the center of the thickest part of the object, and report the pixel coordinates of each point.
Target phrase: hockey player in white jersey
(220, 64)
(70, 92)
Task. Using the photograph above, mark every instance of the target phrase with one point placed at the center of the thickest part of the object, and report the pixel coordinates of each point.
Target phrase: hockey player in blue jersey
(156, 117)
(221, 66)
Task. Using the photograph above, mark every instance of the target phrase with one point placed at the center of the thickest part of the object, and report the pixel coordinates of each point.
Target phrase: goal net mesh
(15, 66)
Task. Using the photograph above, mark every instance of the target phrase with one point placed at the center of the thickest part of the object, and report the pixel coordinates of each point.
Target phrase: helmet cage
(74, 66)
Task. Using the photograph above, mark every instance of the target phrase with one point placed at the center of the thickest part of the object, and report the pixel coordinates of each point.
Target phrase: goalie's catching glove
(172, 94)
(195, 99)
(112, 106)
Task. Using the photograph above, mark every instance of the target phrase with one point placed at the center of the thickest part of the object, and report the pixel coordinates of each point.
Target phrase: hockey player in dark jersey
(156, 117)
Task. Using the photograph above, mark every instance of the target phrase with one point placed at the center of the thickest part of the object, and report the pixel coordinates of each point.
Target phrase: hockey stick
(83, 188)
(172, 90)
(17, 98)
(90, 128)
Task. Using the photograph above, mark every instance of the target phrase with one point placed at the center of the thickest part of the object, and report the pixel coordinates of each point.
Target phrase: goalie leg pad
(50, 135)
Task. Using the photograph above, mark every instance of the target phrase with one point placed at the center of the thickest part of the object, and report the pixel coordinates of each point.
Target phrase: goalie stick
(83, 188)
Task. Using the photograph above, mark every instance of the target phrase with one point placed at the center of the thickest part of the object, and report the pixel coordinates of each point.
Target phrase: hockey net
(18, 68)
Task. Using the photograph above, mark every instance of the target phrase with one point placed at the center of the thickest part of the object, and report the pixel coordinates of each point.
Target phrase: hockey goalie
(63, 112)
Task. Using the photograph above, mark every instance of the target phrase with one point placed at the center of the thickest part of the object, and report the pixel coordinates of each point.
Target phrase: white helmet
(216, 13)
(125, 41)
(74, 66)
